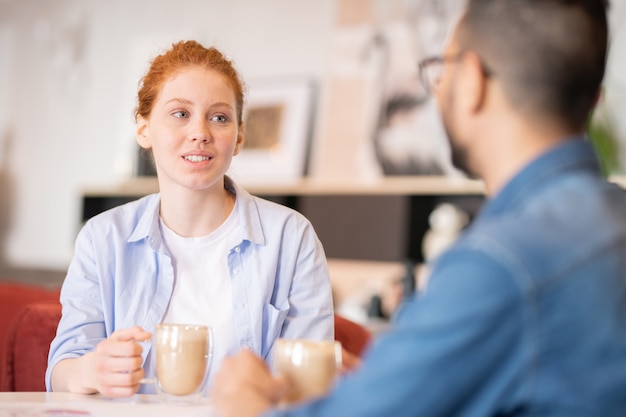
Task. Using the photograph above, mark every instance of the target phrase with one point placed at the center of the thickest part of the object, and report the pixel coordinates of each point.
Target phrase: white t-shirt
(202, 287)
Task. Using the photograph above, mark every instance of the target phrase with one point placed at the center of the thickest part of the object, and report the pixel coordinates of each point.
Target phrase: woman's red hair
(182, 55)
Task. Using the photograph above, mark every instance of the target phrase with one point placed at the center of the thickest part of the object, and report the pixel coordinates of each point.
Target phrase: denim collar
(574, 154)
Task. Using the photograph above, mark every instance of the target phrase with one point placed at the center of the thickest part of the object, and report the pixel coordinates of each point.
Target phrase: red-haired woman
(201, 251)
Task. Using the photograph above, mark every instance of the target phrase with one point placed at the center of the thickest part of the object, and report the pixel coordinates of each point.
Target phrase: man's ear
(142, 132)
(474, 83)
(240, 140)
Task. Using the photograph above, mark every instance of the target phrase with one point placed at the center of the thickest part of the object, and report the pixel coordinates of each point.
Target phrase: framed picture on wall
(277, 130)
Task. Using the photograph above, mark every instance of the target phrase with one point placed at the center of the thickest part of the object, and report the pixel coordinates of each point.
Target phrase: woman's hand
(117, 363)
(113, 368)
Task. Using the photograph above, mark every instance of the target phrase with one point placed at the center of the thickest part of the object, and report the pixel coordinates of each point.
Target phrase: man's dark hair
(550, 55)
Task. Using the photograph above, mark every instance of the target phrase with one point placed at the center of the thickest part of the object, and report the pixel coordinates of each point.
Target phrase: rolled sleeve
(81, 326)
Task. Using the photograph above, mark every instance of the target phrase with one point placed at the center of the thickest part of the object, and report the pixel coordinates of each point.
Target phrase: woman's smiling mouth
(196, 158)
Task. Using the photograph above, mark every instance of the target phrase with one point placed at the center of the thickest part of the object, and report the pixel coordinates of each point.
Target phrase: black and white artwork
(377, 119)
(409, 138)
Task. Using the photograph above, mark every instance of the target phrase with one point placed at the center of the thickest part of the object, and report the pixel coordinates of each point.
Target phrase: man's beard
(459, 155)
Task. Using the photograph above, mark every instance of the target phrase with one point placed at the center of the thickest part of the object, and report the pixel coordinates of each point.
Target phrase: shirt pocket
(274, 318)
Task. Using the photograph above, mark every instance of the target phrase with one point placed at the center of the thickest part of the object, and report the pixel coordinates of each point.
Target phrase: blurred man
(526, 314)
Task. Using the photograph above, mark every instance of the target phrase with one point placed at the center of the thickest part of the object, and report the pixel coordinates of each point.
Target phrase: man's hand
(349, 362)
(244, 387)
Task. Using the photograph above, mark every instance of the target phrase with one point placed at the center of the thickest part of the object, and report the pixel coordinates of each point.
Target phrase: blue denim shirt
(524, 316)
(121, 276)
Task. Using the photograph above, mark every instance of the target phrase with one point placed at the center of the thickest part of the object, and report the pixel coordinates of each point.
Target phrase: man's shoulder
(551, 232)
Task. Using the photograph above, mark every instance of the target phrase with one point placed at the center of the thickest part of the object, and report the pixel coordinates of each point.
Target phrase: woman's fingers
(118, 362)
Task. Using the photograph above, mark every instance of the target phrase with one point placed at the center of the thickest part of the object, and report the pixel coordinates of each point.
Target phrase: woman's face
(192, 129)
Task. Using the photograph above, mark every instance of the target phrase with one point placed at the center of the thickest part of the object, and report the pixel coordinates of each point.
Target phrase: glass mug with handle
(182, 355)
(309, 366)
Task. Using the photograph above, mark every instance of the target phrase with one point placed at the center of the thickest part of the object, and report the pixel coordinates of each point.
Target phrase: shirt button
(240, 306)
(235, 271)
(237, 249)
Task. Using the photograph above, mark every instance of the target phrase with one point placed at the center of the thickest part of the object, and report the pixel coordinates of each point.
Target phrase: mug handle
(338, 355)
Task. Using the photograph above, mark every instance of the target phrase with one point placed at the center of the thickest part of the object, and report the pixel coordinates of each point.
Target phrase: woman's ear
(142, 133)
(240, 140)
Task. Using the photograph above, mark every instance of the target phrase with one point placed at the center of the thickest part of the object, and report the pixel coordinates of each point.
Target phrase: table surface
(62, 404)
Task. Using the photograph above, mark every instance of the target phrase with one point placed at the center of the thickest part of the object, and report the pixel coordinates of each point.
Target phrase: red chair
(14, 296)
(28, 346)
(353, 337)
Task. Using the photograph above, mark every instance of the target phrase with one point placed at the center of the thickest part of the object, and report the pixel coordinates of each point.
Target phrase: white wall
(68, 77)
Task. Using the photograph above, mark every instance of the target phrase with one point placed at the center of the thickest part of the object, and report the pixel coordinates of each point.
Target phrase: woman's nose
(200, 131)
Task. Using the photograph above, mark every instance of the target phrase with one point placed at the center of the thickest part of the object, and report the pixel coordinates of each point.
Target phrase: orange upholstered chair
(28, 346)
(353, 337)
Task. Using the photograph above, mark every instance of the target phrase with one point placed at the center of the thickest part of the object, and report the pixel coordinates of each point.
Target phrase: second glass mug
(310, 367)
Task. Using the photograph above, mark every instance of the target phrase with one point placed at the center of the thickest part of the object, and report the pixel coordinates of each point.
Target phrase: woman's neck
(194, 213)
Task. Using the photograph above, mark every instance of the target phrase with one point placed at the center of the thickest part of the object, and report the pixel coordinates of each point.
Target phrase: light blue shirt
(524, 316)
(122, 276)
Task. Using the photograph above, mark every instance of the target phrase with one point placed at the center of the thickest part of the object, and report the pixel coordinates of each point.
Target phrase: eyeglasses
(431, 70)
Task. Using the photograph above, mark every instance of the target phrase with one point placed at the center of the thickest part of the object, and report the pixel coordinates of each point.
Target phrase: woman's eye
(219, 118)
(180, 114)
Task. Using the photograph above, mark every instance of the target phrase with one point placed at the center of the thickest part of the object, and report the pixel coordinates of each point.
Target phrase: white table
(61, 404)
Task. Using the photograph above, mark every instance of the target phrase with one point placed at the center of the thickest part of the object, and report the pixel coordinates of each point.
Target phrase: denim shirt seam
(527, 287)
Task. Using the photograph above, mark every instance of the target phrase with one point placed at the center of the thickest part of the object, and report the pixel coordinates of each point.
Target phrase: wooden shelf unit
(410, 185)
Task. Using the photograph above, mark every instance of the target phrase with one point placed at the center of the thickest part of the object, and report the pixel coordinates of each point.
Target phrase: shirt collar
(574, 154)
(249, 216)
(148, 224)
(252, 229)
